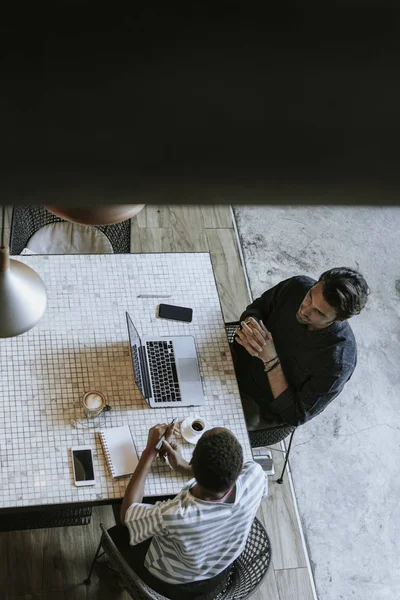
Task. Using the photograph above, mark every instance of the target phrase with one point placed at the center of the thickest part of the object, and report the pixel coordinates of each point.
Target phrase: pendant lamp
(23, 296)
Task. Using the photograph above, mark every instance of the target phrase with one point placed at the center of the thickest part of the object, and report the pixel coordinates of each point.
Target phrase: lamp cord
(2, 225)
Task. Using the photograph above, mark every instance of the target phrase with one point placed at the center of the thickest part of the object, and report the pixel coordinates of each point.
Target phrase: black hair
(345, 290)
(217, 460)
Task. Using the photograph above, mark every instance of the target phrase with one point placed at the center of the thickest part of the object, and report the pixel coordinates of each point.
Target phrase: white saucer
(186, 431)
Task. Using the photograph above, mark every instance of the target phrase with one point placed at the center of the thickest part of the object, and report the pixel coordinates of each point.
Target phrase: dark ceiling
(297, 95)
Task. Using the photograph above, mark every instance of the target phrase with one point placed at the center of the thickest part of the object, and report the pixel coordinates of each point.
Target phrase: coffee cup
(193, 427)
(93, 404)
(197, 426)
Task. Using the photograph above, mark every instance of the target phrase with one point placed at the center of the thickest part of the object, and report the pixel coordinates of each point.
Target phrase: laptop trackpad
(188, 369)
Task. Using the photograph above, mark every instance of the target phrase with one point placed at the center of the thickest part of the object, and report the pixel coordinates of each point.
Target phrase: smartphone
(264, 458)
(175, 313)
(82, 462)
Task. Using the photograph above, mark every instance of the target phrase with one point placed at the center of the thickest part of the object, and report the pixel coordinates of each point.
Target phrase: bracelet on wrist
(269, 361)
(278, 362)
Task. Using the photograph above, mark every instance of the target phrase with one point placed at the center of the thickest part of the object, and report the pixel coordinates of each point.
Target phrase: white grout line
(288, 470)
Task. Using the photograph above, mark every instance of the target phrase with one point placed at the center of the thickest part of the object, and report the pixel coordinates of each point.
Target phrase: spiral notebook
(119, 450)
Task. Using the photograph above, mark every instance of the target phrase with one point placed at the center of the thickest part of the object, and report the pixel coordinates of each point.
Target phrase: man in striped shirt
(183, 548)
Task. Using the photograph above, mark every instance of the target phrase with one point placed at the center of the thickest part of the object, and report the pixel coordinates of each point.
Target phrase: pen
(162, 438)
(154, 296)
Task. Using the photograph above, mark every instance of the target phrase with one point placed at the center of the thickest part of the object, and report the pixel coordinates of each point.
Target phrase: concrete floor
(345, 462)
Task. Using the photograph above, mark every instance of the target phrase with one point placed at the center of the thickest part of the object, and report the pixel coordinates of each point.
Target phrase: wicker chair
(246, 575)
(272, 435)
(26, 220)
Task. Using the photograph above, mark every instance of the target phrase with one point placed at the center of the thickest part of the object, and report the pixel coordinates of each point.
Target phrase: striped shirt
(196, 539)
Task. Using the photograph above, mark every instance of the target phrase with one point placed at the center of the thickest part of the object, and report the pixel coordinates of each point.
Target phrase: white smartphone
(82, 463)
(264, 458)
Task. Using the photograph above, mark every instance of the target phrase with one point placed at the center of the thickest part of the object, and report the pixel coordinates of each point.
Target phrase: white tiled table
(82, 344)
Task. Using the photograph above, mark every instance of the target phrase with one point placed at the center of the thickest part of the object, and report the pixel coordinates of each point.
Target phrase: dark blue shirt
(316, 364)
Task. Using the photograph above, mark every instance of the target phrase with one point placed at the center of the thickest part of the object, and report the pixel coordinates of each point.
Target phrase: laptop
(166, 369)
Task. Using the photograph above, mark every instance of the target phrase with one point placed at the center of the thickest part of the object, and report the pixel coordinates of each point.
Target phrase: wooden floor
(50, 564)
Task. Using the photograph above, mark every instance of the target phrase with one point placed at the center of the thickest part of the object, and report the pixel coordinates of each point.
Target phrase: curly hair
(345, 290)
(217, 460)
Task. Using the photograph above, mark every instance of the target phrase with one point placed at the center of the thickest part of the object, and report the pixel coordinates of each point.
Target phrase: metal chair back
(127, 576)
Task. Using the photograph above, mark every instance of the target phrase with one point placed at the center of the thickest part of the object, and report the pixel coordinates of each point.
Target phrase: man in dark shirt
(295, 351)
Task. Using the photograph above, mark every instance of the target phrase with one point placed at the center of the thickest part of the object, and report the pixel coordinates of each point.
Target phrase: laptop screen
(135, 344)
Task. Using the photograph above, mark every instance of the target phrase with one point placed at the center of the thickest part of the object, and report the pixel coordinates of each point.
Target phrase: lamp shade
(23, 297)
(97, 215)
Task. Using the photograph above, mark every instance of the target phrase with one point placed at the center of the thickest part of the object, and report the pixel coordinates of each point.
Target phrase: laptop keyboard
(164, 376)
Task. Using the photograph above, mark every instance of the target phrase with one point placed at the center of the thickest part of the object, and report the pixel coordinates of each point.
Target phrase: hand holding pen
(165, 435)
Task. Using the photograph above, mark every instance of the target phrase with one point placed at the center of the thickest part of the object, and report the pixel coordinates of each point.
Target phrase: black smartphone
(175, 313)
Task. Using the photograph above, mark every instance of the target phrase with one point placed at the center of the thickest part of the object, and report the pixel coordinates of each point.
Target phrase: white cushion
(69, 238)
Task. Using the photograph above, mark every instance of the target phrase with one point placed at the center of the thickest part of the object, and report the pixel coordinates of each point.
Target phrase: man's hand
(155, 434)
(176, 459)
(256, 339)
